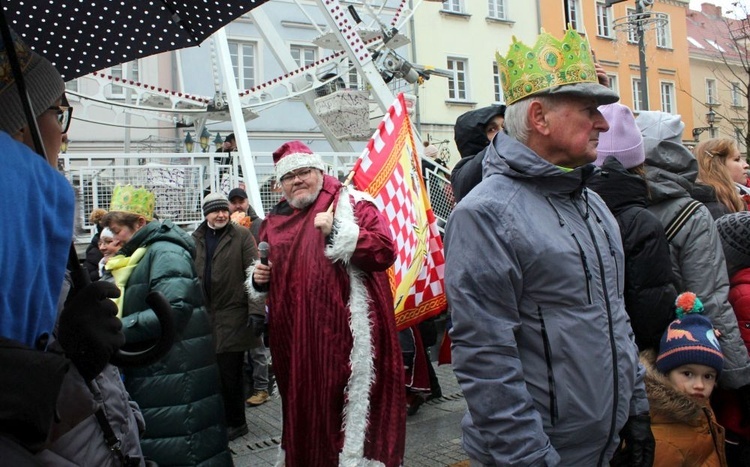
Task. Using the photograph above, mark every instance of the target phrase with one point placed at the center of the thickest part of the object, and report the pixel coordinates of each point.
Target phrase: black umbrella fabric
(82, 36)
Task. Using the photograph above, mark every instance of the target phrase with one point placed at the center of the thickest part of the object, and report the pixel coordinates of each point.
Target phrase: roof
(712, 35)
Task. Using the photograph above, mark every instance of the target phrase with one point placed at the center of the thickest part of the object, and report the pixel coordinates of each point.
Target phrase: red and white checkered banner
(389, 171)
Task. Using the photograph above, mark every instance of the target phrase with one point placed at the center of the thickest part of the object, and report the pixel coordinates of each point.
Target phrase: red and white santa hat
(295, 155)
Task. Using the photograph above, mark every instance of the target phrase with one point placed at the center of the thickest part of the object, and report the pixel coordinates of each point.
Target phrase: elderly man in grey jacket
(542, 345)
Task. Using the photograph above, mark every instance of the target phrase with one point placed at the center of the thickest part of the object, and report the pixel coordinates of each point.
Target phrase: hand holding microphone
(262, 272)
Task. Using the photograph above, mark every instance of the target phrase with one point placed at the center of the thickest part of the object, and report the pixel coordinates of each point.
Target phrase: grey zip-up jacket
(542, 345)
(697, 256)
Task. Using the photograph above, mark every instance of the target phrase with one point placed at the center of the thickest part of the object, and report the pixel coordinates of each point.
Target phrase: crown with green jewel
(127, 198)
(525, 71)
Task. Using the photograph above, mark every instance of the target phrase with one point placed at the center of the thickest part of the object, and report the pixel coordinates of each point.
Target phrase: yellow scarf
(121, 268)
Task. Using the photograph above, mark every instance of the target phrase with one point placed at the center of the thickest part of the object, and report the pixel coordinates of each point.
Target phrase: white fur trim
(297, 160)
(357, 405)
(344, 239)
(254, 295)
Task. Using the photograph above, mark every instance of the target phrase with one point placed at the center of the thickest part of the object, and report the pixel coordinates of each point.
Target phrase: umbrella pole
(15, 66)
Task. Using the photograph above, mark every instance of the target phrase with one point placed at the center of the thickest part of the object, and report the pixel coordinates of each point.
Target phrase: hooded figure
(697, 256)
(471, 140)
(649, 288)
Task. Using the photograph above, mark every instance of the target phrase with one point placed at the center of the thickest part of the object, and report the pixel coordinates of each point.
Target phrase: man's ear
(538, 118)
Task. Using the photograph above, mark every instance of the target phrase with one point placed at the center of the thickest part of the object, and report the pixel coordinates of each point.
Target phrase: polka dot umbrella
(81, 36)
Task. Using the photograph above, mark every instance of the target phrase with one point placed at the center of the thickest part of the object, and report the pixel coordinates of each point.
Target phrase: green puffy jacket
(178, 395)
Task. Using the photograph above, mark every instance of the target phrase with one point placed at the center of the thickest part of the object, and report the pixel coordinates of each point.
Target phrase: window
(349, 74)
(123, 71)
(613, 83)
(497, 9)
(498, 88)
(664, 35)
(668, 97)
(711, 93)
(72, 85)
(572, 14)
(304, 55)
(603, 20)
(736, 95)
(632, 34)
(243, 63)
(637, 95)
(457, 84)
(454, 6)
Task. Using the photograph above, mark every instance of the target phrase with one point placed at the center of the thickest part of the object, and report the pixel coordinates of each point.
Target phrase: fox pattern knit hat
(690, 339)
(623, 141)
(43, 82)
(215, 202)
(295, 155)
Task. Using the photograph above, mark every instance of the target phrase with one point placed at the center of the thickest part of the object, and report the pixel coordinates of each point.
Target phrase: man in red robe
(331, 322)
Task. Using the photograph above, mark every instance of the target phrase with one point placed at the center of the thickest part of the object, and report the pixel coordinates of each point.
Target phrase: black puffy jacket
(471, 141)
(649, 282)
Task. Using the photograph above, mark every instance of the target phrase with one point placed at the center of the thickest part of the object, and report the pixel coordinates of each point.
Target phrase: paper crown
(127, 198)
(525, 71)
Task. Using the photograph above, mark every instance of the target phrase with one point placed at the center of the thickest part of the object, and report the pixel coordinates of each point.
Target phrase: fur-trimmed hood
(667, 403)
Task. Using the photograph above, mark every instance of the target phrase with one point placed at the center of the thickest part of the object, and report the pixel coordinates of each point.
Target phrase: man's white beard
(305, 201)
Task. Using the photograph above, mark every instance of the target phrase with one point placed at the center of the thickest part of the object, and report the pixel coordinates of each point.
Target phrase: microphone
(263, 253)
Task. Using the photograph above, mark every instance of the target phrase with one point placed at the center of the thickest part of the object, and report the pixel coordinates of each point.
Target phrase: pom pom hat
(690, 339)
(139, 201)
(214, 202)
(295, 155)
(623, 141)
(43, 82)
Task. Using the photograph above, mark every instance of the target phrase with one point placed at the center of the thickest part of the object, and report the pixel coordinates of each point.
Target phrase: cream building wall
(471, 35)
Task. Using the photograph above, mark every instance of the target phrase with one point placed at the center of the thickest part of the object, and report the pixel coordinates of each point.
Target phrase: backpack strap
(679, 220)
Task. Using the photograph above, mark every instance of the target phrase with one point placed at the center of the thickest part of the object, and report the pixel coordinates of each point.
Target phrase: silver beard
(305, 201)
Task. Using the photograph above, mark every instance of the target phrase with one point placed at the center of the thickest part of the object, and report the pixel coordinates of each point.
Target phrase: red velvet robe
(311, 338)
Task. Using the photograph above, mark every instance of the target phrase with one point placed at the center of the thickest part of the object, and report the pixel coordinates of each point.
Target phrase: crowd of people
(597, 273)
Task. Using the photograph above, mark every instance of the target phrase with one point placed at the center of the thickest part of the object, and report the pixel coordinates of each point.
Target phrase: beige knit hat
(43, 82)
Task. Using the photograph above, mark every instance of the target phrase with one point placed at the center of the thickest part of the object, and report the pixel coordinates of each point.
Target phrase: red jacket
(726, 403)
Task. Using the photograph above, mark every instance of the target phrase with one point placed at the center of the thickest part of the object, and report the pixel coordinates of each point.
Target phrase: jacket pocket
(553, 409)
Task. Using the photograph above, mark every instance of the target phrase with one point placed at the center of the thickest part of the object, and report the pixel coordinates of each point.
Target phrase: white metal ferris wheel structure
(367, 46)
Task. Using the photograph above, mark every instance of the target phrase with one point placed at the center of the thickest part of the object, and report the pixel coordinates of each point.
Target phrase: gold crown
(552, 62)
(127, 198)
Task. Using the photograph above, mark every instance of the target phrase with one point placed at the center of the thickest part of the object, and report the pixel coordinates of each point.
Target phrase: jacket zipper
(586, 271)
(550, 376)
(612, 345)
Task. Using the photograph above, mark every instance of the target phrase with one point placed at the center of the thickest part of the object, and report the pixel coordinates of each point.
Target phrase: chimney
(710, 9)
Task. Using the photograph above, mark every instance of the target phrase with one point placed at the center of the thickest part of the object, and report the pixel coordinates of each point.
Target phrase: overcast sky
(727, 5)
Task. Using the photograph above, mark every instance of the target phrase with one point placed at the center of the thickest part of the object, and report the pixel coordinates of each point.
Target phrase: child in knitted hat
(679, 382)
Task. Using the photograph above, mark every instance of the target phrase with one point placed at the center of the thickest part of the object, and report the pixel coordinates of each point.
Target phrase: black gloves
(744, 395)
(258, 323)
(638, 449)
(89, 330)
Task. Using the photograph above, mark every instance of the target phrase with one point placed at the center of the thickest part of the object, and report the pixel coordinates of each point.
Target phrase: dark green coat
(228, 304)
(179, 395)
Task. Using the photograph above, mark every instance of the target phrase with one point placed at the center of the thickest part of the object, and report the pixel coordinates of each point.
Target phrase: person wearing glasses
(334, 345)
(35, 367)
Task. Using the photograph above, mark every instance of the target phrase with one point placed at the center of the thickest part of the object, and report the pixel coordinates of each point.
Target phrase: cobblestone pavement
(433, 434)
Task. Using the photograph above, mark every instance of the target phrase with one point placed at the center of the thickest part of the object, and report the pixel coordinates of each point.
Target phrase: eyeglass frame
(288, 179)
(61, 111)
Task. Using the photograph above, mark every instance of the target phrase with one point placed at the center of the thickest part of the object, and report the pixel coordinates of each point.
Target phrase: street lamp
(710, 119)
(218, 141)
(204, 139)
(189, 143)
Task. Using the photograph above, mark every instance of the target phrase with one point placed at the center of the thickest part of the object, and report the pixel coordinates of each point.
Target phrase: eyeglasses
(303, 175)
(64, 115)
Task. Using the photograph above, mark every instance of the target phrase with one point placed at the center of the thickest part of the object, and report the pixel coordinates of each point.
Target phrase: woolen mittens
(639, 444)
(89, 330)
